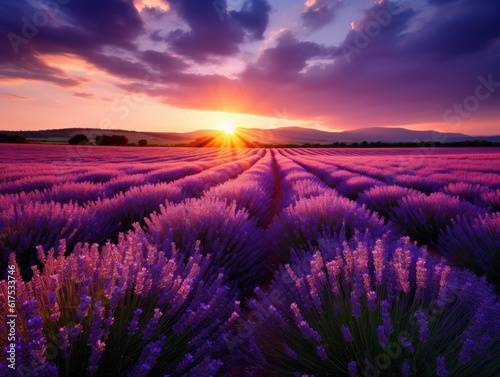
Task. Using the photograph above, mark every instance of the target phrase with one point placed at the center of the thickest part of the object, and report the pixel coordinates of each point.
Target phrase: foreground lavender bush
(231, 238)
(124, 310)
(474, 243)
(390, 310)
(423, 217)
(328, 215)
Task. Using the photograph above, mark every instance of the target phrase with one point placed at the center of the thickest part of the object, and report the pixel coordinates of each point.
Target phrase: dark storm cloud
(215, 32)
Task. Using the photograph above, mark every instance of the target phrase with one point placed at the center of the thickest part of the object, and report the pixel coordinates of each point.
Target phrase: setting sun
(228, 127)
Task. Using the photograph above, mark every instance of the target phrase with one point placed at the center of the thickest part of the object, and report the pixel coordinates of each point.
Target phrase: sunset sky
(182, 65)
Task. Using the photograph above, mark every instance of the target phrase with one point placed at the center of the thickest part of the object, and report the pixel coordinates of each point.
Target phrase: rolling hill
(255, 136)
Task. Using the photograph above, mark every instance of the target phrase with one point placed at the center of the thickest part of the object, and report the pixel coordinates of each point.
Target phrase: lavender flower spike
(346, 333)
(352, 368)
(441, 367)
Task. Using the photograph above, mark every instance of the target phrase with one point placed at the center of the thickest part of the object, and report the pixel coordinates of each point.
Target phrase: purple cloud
(319, 13)
(213, 30)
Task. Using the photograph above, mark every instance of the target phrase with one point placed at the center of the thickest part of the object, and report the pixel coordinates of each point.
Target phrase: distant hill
(255, 136)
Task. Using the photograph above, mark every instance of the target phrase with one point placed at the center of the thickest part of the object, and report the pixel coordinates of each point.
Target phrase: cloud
(394, 77)
(83, 95)
(13, 96)
(215, 32)
(319, 13)
(394, 67)
(151, 4)
(254, 17)
(102, 33)
(286, 60)
(459, 27)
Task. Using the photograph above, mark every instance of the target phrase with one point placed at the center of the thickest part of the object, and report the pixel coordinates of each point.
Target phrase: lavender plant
(231, 238)
(474, 243)
(125, 309)
(328, 215)
(387, 310)
(423, 217)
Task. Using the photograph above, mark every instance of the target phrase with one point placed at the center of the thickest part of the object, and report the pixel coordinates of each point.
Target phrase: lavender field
(250, 262)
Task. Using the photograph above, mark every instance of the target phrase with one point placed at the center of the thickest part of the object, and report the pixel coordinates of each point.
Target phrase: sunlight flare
(228, 127)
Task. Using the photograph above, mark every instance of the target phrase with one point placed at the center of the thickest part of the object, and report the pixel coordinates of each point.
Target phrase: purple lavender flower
(346, 333)
(405, 369)
(96, 330)
(423, 324)
(147, 333)
(386, 317)
(184, 364)
(36, 341)
(320, 350)
(378, 253)
(406, 344)
(134, 322)
(289, 352)
(355, 304)
(55, 314)
(441, 367)
(148, 357)
(309, 332)
(97, 350)
(371, 300)
(382, 336)
(64, 344)
(83, 307)
(421, 273)
(352, 368)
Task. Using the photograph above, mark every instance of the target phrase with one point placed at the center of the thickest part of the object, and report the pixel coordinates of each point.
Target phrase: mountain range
(256, 136)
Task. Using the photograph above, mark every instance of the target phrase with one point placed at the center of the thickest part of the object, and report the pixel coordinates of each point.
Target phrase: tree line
(107, 140)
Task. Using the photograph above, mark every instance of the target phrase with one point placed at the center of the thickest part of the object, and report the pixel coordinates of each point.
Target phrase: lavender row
(116, 177)
(26, 225)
